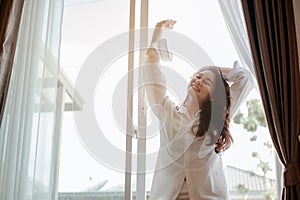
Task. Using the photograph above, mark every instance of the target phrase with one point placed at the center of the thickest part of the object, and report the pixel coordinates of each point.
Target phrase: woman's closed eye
(207, 81)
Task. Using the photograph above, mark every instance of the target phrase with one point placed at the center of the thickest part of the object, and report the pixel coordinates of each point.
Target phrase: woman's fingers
(161, 23)
(167, 24)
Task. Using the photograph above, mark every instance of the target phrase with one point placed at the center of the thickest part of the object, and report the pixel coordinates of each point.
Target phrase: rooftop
(237, 178)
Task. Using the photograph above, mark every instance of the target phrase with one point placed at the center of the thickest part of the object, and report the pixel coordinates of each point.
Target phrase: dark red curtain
(10, 15)
(271, 30)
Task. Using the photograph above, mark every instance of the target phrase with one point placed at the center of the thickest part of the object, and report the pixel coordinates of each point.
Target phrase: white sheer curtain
(233, 15)
(234, 18)
(28, 139)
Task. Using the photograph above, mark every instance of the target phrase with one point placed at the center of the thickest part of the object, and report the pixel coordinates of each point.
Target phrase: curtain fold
(10, 15)
(271, 31)
(234, 19)
(28, 129)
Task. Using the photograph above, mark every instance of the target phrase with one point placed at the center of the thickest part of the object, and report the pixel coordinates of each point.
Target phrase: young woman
(194, 134)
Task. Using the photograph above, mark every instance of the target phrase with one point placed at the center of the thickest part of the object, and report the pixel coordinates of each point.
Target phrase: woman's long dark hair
(218, 127)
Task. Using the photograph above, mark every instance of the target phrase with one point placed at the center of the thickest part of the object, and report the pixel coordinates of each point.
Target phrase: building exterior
(243, 185)
(248, 185)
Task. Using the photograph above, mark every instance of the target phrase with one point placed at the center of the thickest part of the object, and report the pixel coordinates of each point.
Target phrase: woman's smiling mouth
(195, 87)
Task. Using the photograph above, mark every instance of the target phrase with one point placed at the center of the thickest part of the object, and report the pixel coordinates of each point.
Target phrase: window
(88, 24)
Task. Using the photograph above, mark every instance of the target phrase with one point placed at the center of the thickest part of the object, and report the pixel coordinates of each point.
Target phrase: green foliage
(242, 189)
(255, 116)
(269, 194)
(264, 166)
(253, 138)
(238, 117)
(268, 145)
(254, 119)
(254, 155)
(252, 173)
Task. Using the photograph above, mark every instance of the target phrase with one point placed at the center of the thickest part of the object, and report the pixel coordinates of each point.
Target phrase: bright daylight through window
(249, 164)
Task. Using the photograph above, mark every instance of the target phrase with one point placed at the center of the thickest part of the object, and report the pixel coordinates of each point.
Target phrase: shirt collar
(183, 109)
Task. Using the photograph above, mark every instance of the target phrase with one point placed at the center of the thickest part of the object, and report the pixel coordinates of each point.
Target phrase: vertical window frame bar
(142, 107)
(129, 125)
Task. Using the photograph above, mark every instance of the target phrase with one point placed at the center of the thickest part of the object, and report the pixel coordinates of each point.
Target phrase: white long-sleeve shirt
(181, 154)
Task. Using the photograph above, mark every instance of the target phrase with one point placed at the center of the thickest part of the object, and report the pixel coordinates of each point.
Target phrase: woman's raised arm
(242, 84)
(154, 80)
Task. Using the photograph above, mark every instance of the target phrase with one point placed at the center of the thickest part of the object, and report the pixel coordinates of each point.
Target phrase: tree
(243, 190)
(250, 123)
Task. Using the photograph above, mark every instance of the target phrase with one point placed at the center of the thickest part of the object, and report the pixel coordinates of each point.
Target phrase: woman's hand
(165, 24)
(152, 52)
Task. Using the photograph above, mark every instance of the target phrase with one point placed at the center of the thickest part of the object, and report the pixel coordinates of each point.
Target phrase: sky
(85, 27)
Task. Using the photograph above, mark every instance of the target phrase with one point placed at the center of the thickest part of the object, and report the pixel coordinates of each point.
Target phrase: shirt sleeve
(155, 86)
(242, 84)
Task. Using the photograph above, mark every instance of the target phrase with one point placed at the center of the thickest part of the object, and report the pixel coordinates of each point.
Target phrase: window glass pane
(202, 22)
(87, 24)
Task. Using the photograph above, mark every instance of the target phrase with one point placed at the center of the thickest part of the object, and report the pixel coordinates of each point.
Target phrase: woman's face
(202, 84)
